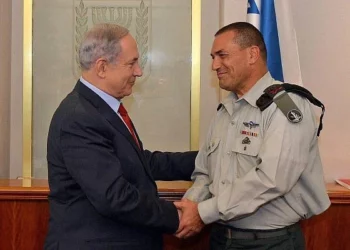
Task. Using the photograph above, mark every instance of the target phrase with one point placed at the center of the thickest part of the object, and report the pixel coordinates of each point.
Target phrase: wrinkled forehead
(128, 46)
(128, 42)
(223, 41)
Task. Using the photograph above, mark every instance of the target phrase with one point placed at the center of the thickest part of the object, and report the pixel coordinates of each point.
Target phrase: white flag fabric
(274, 20)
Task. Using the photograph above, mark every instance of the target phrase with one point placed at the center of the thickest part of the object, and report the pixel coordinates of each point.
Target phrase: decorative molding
(168, 190)
(133, 15)
(81, 28)
(141, 33)
(117, 15)
(339, 197)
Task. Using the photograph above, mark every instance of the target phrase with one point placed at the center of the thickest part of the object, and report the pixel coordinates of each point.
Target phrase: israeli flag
(274, 20)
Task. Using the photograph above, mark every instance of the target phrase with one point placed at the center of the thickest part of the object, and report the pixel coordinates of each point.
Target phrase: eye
(223, 55)
(131, 64)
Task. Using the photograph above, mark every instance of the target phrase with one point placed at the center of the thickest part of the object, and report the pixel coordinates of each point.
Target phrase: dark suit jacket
(102, 189)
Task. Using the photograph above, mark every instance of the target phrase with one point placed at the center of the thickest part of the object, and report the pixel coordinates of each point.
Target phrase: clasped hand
(190, 221)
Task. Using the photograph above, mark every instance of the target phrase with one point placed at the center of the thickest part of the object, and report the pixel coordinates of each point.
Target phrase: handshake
(190, 221)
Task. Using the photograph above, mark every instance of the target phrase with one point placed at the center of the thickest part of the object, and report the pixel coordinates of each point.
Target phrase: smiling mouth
(220, 75)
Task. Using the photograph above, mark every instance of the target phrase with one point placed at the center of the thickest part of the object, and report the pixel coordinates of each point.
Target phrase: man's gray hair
(102, 41)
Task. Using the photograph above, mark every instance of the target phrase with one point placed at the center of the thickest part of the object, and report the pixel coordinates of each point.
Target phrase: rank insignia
(251, 124)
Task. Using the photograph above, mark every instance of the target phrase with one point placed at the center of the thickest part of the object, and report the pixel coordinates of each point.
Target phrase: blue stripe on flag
(252, 8)
(268, 27)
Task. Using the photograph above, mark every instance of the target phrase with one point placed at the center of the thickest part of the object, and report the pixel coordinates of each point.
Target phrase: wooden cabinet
(331, 229)
(24, 214)
(24, 217)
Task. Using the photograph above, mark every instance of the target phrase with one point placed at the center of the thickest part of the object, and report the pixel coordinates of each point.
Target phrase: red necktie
(124, 114)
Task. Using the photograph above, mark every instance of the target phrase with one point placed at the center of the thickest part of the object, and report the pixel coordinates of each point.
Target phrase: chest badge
(246, 141)
(244, 132)
(250, 124)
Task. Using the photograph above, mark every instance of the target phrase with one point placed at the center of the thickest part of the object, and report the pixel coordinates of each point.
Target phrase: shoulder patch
(286, 104)
(295, 116)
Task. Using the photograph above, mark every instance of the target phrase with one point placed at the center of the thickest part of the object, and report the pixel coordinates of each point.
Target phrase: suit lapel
(106, 111)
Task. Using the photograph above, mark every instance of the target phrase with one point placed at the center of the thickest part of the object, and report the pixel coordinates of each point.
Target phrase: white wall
(323, 34)
(16, 151)
(5, 85)
(209, 98)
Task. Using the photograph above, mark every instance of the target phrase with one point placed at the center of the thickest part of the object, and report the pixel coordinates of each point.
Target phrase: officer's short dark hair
(246, 35)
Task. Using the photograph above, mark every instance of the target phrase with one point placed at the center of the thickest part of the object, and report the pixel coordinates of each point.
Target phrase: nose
(215, 65)
(137, 70)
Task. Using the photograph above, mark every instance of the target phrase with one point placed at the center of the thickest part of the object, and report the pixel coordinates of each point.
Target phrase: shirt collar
(110, 100)
(229, 101)
(251, 96)
(258, 89)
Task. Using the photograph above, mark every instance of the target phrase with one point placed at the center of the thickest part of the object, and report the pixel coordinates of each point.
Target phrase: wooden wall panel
(7, 225)
(330, 230)
(24, 214)
(23, 224)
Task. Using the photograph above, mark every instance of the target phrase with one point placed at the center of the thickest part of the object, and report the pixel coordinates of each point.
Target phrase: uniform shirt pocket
(213, 155)
(247, 145)
(246, 150)
(213, 146)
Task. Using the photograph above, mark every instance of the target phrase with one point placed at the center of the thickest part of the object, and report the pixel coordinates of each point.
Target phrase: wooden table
(24, 217)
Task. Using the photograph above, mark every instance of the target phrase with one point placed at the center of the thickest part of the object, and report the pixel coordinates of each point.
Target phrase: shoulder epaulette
(286, 104)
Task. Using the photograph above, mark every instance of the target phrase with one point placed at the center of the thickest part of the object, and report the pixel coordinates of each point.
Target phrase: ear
(254, 54)
(101, 67)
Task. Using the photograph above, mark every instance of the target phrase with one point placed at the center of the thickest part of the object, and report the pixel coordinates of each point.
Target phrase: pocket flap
(213, 144)
(247, 145)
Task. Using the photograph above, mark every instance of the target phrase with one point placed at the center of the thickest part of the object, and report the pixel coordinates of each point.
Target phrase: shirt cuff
(208, 210)
(189, 194)
(192, 194)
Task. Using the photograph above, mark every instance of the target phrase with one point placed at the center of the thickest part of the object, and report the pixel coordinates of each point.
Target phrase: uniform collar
(228, 102)
(258, 89)
(251, 96)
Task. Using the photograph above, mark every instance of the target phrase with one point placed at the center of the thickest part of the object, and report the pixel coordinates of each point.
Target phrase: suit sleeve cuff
(172, 218)
(208, 210)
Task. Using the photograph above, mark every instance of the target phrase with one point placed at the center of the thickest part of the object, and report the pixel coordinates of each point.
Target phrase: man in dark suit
(102, 190)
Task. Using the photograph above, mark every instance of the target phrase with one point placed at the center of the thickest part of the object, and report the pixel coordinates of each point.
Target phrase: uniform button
(232, 122)
(222, 182)
(228, 153)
